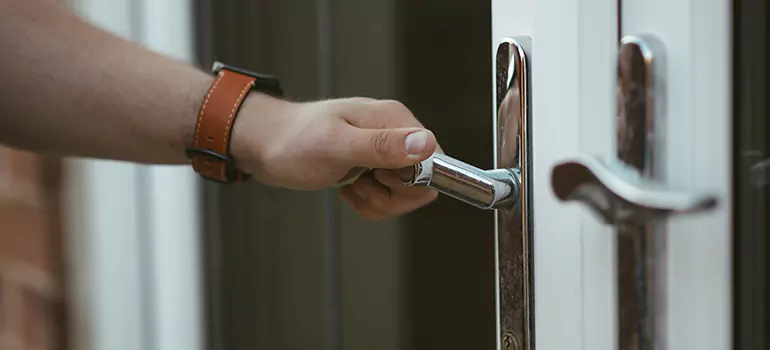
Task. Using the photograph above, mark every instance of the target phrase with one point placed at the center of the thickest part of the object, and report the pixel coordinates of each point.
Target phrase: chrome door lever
(484, 189)
(626, 192)
(619, 195)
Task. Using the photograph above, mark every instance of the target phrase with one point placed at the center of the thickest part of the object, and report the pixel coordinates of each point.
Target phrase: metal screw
(510, 342)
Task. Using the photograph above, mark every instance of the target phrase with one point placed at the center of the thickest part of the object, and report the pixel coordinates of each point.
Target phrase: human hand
(310, 146)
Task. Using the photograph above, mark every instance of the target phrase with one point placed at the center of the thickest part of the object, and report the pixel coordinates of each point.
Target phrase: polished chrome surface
(619, 195)
(627, 192)
(513, 234)
(485, 189)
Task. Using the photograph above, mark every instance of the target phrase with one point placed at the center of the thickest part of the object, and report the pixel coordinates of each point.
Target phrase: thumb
(390, 148)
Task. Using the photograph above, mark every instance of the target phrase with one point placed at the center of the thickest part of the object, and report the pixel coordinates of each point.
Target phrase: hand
(310, 146)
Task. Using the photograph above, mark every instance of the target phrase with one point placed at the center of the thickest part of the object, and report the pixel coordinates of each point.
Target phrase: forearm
(70, 89)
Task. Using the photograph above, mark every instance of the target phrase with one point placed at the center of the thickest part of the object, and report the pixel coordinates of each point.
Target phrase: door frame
(574, 52)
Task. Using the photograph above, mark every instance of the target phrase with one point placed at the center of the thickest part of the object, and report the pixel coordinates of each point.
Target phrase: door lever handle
(627, 193)
(619, 195)
(484, 189)
(507, 189)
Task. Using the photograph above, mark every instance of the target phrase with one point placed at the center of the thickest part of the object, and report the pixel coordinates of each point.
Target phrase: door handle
(506, 189)
(619, 195)
(501, 187)
(484, 189)
(627, 192)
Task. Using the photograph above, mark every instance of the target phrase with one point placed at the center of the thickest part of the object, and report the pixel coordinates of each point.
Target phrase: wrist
(253, 128)
(221, 114)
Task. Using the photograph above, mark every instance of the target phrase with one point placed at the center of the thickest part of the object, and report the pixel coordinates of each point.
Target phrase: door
(576, 292)
(587, 293)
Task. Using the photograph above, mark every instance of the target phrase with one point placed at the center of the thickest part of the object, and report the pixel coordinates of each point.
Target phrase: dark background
(751, 149)
(299, 270)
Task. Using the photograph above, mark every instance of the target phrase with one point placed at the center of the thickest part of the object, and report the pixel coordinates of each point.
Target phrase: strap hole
(210, 139)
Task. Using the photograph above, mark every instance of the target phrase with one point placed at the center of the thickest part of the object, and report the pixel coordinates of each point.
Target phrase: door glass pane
(300, 270)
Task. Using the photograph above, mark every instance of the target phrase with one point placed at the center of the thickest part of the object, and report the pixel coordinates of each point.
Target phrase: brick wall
(31, 264)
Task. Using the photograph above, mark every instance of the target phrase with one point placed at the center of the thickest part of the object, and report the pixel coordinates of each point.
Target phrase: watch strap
(210, 154)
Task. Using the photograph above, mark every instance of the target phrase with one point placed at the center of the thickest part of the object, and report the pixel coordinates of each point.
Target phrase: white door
(574, 101)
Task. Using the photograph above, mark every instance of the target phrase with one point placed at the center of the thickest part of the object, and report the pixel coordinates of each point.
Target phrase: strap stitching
(232, 113)
(203, 109)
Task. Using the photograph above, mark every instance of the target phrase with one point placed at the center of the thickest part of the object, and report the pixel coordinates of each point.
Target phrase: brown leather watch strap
(210, 154)
(214, 126)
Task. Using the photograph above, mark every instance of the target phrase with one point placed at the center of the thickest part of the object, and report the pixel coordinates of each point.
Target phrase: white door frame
(574, 47)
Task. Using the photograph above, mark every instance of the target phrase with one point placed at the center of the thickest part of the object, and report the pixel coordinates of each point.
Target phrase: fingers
(382, 134)
(376, 201)
(380, 114)
(360, 205)
(386, 148)
(392, 180)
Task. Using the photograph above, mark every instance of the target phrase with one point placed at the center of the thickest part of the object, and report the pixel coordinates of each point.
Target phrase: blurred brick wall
(31, 264)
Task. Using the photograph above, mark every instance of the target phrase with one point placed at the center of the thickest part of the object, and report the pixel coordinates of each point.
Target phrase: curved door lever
(619, 195)
(627, 193)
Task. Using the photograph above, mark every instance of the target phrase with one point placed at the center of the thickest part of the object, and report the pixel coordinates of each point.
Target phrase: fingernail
(416, 141)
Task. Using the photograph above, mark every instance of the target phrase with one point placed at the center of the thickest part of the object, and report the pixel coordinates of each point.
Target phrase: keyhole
(510, 342)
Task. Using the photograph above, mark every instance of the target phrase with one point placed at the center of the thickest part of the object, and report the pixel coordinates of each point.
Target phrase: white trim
(697, 38)
(174, 204)
(176, 263)
(104, 245)
(555, 124)
(598, 47)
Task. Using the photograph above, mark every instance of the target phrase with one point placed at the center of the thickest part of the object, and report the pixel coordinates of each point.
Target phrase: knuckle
(395, 106)
(379, 142)
(399, 113)
(362, 100)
